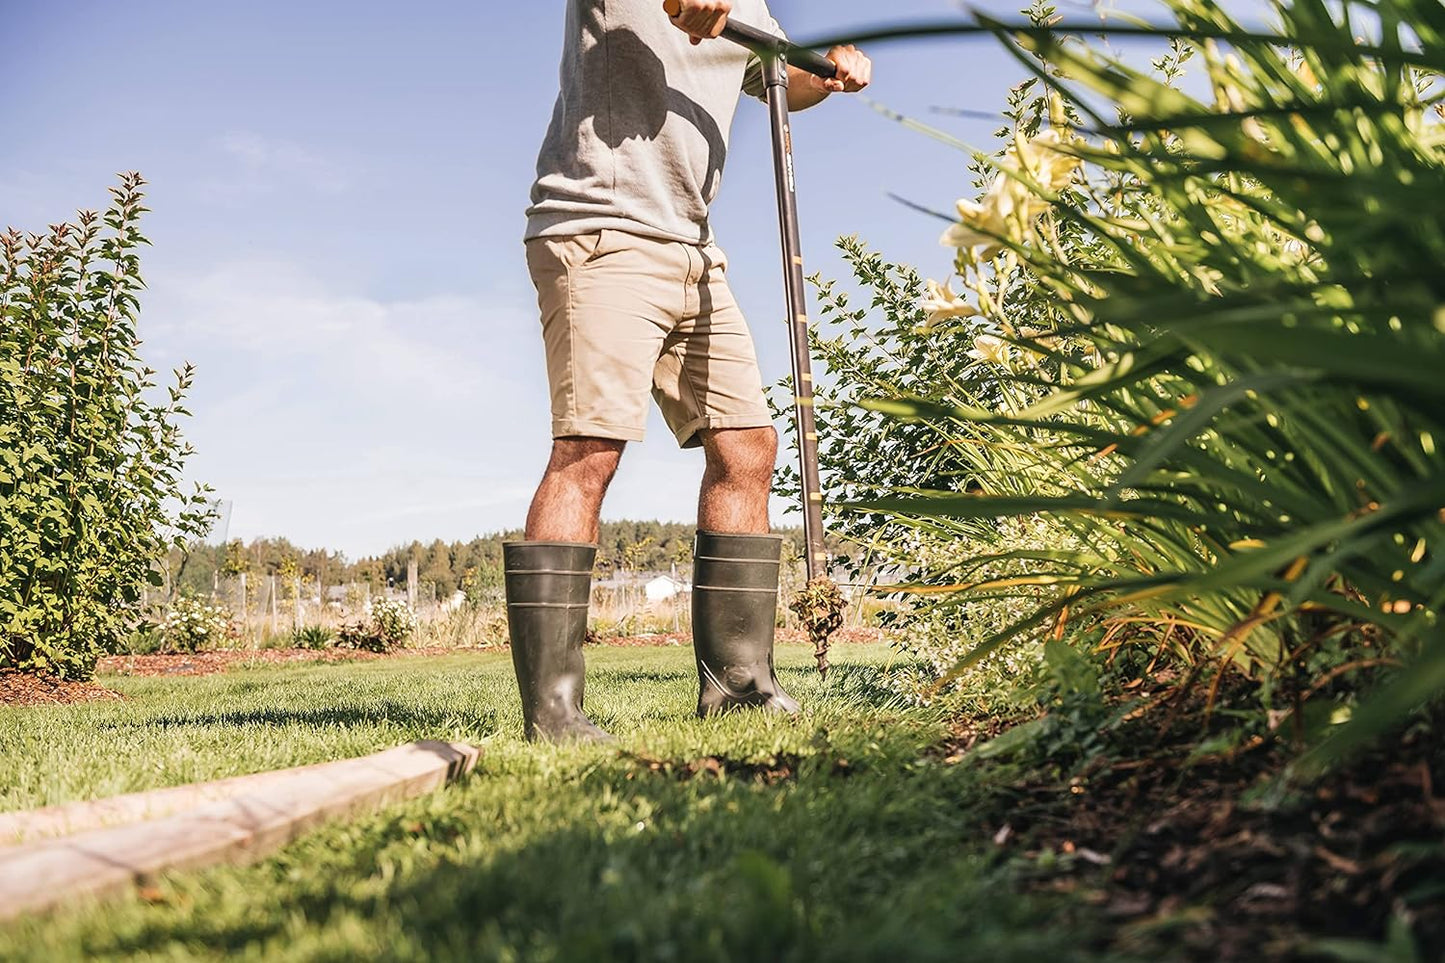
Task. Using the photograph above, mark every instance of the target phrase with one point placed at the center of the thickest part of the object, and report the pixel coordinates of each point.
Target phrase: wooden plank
(69, 818)
(259, 820)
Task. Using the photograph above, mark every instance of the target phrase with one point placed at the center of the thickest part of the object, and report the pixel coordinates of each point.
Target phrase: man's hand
(855, 71)
(700, 19)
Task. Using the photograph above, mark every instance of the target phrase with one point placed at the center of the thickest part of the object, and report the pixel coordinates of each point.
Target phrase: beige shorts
(622, 315)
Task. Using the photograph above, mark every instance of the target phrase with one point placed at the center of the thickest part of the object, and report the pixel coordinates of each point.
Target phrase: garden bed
(221, 660)
(23, 689)
(1204, 856)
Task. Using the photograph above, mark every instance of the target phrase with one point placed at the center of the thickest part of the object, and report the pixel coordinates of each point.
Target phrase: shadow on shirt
(643, 111)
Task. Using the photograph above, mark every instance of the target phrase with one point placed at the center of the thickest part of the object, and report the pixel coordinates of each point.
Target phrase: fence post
(273, 604)
(411, 584)
(296, 587)
(243, 602)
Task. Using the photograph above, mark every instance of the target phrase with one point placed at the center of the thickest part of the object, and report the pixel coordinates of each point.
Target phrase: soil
(1223, 858)
(784, 637)
(222, 660)
(23, 689)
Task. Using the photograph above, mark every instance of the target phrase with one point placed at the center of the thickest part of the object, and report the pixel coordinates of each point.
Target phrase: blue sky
(337, 194)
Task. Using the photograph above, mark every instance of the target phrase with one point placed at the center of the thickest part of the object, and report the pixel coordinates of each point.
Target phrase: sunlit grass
(858, 844)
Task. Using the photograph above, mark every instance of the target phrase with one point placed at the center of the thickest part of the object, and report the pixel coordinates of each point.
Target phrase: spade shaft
(776, 54)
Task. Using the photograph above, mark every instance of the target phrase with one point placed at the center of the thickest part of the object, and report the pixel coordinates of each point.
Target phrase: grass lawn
(835, 836)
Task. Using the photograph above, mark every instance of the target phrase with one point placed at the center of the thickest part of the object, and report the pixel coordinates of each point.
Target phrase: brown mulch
(1222, 859)
(23, 689)
(222, 660)
(784, 637)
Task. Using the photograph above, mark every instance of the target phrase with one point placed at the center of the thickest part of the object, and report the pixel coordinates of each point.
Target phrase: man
(634, 300)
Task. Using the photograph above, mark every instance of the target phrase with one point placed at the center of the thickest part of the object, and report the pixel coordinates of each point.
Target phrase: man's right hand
(700, 19)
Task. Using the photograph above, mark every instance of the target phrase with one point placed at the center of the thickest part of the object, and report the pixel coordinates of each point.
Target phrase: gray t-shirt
(640, 131)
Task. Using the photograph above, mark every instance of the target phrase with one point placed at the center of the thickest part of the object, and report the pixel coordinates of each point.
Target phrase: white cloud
(349, 421)
(358, 423)
(264, 164)
(277, 313)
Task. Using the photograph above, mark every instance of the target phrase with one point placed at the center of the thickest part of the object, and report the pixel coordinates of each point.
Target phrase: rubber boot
(548, 588)
(734, 614)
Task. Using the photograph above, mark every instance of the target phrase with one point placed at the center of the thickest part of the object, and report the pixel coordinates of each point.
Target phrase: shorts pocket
(608, 241)
(552, 255)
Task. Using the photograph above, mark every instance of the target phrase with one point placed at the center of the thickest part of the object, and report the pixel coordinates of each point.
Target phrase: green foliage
(313, 637)
(144, 638)
(1206, 346)
(195, 623)
(90, 461)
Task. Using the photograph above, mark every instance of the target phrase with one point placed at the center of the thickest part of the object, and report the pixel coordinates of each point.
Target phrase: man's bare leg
(737, 481)
(569, 499)
(549, 579)
(735, 576)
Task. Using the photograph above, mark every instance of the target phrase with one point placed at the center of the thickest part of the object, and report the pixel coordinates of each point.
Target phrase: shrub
(313, 637)
(393, 619)
(144, 638)
(1203, 342)
(389, 624)
(90, 464)
(194, 623)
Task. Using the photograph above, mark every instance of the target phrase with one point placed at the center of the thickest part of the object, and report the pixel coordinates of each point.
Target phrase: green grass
(875, 849)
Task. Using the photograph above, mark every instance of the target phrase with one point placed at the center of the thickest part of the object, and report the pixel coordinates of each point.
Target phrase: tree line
(623, 546)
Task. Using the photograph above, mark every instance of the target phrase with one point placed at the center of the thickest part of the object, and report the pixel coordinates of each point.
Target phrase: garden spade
(820, 605)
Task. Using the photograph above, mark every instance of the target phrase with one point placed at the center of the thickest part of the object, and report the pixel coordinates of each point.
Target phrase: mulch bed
(1222, 859)
(222, 660)
(23, 689)
(784, 637)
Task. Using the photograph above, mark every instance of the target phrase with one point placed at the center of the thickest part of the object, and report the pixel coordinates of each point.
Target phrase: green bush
(313, 637)
(1202, 340)
(144, 638)
(90, 463)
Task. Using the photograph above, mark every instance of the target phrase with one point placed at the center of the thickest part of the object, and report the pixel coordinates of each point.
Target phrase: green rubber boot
(734, 614)
(548, 587)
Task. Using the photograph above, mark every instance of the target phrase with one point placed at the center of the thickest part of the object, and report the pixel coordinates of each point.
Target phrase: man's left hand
(855, 71)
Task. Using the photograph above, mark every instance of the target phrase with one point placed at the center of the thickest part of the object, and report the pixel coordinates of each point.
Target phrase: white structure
(665, 587)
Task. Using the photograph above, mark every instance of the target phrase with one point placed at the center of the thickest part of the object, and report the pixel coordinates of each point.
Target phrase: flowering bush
(393, 619)
(389, 625)
(1206, 342)
(194, 623)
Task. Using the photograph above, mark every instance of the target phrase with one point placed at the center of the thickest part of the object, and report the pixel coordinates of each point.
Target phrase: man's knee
(743, 454)
(588, 463)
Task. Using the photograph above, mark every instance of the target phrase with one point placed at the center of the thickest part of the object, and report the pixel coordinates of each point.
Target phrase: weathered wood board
(78, 817)
(258, 817)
